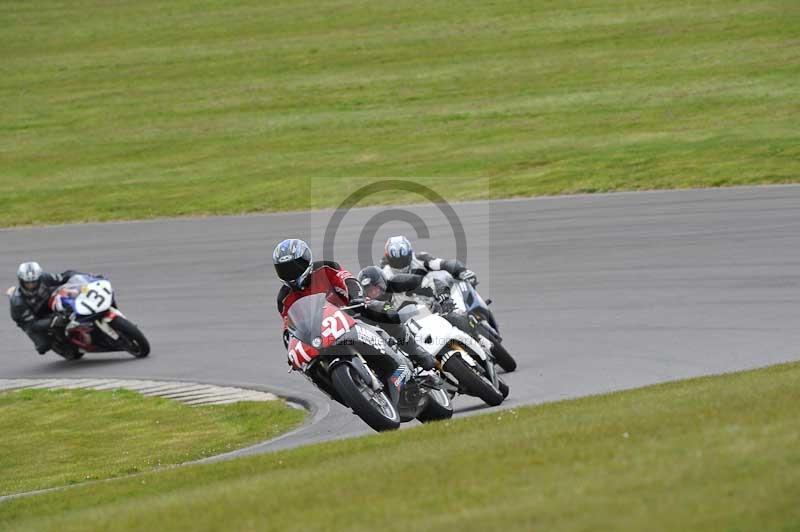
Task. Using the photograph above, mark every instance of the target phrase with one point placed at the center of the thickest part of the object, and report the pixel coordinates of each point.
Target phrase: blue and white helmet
(30, 277)
(398, 253)
(293, 262)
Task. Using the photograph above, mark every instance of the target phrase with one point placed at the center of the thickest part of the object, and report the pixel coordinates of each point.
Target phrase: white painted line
(110, 385)
(180, 392)
(191, 394)
(141, 386)
(156, 387)
(45, 384)
(217, 399)
(16, 384)
(213, 393)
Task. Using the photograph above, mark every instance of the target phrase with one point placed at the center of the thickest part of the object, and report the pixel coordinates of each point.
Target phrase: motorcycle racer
(376, 285)
(379, 310)
(30, 309)
(405, 271)
(399, 257)
(301, 277)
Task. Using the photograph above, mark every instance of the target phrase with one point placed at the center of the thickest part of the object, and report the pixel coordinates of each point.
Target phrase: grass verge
(717, 453)
(146, 109)
(54, 438)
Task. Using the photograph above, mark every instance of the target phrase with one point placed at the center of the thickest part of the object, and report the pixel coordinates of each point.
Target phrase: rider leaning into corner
(404, 271)
(399, 260)
(31, 311)
(399, 257)
(379, 310)
(302, 276)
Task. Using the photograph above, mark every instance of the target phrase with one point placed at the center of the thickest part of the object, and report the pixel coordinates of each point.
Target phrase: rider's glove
(469, 276)
(59, 321)
(355, 306)
(448, 306)
(446, 303)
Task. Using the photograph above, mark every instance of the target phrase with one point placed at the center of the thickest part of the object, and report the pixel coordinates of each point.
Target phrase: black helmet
(398, 253)
(293, 260)
(373, 282)
(29, 275)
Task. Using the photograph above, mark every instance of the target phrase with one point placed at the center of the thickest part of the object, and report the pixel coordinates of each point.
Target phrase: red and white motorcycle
(352, 363)
(95, 324)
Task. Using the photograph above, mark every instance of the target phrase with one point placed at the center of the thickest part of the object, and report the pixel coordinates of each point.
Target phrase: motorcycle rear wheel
(503, 387)
(504, 358)
(70, 356)
(67, 351)
(439, 407)
(374, 408)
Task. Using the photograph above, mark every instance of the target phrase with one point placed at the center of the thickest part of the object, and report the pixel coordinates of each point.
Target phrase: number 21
(337, 325)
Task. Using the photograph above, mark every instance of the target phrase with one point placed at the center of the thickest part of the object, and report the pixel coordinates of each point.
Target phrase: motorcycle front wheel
(132, 339)
(374, 408)
(473, 383)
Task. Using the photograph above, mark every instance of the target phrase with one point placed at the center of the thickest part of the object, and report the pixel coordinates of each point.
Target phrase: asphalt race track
(594, 293)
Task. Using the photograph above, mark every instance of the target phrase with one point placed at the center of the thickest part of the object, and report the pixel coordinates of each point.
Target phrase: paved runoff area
(185, 392)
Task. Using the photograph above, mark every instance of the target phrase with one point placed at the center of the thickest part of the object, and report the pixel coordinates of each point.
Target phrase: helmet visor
(374, 291)
(293, 270)
(29, 287)
(399, 263)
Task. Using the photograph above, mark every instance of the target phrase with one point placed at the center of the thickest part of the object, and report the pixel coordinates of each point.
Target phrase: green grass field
(140, 109)
(62, 437)
(718, 453)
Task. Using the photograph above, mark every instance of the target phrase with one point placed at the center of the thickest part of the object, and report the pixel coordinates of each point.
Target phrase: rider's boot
(425, 364)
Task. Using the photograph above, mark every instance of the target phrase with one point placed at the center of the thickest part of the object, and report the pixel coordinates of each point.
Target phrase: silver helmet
(29, 275)
(398, 253)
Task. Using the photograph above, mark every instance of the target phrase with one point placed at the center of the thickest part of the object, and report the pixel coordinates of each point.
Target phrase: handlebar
(353, 307)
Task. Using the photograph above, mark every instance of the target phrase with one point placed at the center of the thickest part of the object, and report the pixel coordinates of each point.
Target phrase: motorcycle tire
(504, 358)
(503, 387)
(138, 345)
(67, 351)
(472, 382)
(350, 388)
(439, 407)
(71, 356)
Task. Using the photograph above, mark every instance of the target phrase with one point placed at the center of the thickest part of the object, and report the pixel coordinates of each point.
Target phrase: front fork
(485, 335)
(104, 323)
(367, 374)
(483, 328)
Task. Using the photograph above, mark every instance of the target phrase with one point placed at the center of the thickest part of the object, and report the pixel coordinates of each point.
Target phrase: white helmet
(398, 253)
(30, 277)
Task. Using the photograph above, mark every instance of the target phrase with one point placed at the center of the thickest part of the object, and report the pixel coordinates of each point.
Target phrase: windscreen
(72, 287)
(305, 317)
(77, 281)
(471, 297)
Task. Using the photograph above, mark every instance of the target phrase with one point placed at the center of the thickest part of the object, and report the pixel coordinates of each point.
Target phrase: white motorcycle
(96, 325)
(466, 366)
